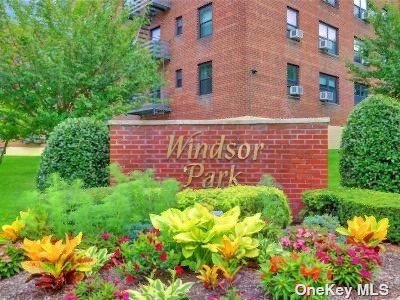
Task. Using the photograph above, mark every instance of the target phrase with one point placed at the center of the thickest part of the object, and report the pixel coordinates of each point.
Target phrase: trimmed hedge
(271, 202)
(76, 149)
(347, 203)
(371, 146)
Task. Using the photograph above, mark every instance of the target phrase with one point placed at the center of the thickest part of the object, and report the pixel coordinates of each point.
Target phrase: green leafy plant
(370, 146)
(156, 289)
(282, 273)
(147, 254)
(269, 249)
(94, 288)
(269, 181)
(10, 260)
(269, 201)
(347, 203)
(325, 221)
(76, 149)
(99, 257)
(71, 209)
(200, 233)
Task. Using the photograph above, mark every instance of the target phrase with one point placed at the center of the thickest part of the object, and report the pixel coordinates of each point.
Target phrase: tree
(381, 52)
(69, 58)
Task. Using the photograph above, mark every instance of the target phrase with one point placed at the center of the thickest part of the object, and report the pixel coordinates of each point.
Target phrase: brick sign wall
(204, 153)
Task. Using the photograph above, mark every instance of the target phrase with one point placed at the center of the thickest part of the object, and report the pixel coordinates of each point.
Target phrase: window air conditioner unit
(296, 34)
(325, 45)
(364, 15)
(296, 90)
(326, 96)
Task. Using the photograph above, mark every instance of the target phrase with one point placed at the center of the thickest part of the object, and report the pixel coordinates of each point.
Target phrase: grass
(333, 169)
(17, 175)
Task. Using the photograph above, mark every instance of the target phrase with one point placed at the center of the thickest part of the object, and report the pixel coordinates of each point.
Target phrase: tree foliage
(69, 58)
(381, 52)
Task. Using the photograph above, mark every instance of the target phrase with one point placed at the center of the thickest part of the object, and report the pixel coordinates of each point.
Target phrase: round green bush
(371, 146)
(271, 202)
(76, 149)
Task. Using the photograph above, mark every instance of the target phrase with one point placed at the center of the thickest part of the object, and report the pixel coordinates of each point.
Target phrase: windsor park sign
(219, 153)
(184, 147)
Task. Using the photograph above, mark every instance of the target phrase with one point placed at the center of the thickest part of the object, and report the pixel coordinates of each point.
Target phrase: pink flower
(340, 260)
(355, 260)
(124, 295)
(285, 241)
(351, 252)
(366, 274)
(70, 297)
(105, 236)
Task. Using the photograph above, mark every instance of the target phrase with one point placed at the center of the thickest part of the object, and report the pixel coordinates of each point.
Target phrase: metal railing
(158, 49)
(137, 7)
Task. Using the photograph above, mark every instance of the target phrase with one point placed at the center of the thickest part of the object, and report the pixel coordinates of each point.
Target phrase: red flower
(129, 279)
(163, 256)
(105, 236)
(123, 239)
(179, 270)
(159, 246)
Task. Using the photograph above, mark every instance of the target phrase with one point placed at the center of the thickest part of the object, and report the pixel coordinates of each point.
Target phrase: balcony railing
(155, 7)
(152, 103)
(158, 49)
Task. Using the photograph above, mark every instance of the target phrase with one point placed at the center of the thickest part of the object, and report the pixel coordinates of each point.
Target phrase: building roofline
(247, 120)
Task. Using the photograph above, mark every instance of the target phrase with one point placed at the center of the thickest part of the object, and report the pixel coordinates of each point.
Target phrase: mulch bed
(248, 279)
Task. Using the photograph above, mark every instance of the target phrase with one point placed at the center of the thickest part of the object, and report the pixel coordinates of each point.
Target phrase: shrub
(71, 209)
(94, 288)
(325, 221)
(76, 149)
(270, 202)
(347, 203)
(371, 147)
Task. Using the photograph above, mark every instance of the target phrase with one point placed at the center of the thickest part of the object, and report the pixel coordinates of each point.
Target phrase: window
(329, 33)
(179, 26)
(292, 76)
(205, 21)
(292, 19)
(155, 34)
(205, 78)
(358, 45)
(179, 78)
(360, 8)
(328, 83)
(360, 92)
(331, 2)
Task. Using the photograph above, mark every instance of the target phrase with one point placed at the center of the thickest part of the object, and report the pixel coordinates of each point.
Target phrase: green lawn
(334, 175)
(17, 175)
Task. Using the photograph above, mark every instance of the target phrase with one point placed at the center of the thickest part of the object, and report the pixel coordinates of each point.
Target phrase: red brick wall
(294, 154)
(252, 34)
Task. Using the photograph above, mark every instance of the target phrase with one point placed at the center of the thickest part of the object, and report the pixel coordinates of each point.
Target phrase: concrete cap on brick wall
(247, 120)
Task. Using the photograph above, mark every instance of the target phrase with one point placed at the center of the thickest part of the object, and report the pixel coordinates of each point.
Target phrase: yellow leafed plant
(366, 231)
(209, 276)
(12, 232)
(55, 263)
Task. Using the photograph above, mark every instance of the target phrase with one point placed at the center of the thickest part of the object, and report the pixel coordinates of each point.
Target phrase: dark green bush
(371, 146)
(347, 203)
(269, 201)
(76, 149)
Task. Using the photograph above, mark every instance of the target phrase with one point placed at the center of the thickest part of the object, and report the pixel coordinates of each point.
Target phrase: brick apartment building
(266, 58)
